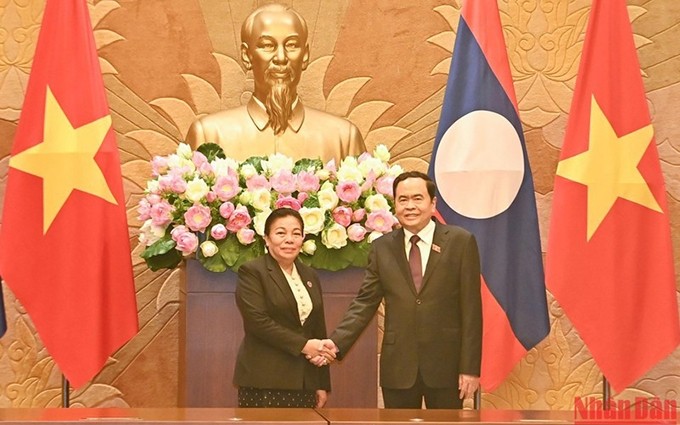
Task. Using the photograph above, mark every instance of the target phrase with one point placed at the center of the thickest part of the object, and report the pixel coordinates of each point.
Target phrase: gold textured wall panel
(383, 64)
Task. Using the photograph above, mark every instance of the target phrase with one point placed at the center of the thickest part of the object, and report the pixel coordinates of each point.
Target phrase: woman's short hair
(281, 213)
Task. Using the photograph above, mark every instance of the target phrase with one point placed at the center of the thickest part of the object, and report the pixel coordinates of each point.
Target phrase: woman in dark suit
(280, 301)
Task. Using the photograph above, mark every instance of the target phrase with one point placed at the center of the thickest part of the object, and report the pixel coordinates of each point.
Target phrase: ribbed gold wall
(383, 63)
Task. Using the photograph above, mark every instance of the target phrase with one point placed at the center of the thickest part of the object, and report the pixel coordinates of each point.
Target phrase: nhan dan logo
(653, 410)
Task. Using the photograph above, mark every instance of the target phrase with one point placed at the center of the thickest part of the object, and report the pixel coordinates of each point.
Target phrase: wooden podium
(211, 331)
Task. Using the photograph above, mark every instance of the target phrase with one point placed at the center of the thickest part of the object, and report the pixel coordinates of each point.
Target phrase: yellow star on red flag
(65, 159)
(609, 168)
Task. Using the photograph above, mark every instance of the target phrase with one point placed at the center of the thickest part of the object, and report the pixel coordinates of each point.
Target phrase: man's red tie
(415, 263)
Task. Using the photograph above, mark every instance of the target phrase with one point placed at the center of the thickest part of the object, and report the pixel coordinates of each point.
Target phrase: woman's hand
(316, 347)
(321, 398)
(320, 352)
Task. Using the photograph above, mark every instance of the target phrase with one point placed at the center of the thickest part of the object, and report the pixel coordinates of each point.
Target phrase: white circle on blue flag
(479, 166)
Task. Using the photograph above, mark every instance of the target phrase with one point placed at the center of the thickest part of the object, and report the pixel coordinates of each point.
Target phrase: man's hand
(320, 352)
(467, 384)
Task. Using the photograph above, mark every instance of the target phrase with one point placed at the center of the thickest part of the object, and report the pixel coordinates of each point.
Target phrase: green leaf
(161, 246)
(169, 260)
(305, 163)
(255, 161)
(211, 151)
(311, 202)
(214, 264)
(230, 249)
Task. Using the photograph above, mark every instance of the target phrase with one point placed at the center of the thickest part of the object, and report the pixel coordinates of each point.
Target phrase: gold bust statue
(274, 46)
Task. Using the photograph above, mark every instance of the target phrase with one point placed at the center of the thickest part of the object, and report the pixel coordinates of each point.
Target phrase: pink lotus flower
(284, 182)
(258, 182)
(159, 165)
(144, 210)
(154, 198)
(348, 191)
(356, 232)
(307, 182)
(384, 185)
(380, 221)
(187, 242)
(199, 159)
(302, 197)
(368, 184)
(172, 182)
(177, 231)
(226, 187)
(239, 219)
(197, 218)
(218, 232)
(246, 236)
(331, 166)
(161, 214)
(206, 169)
(226, 209)
(363, 157)
(342, 216)
(288, 202)
(358, 215)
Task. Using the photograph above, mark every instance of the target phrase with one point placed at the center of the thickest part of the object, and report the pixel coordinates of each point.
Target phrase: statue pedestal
(211, 331)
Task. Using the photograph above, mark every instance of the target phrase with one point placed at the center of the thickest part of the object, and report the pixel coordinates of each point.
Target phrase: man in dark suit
(429, 276)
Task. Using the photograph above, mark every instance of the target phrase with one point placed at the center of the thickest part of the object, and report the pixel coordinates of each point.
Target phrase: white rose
(395, 170)
(152, 186)
(245, 197)
(328, 199)
(277, 162)
(382, 153)
(221, 166)
(248, 171)
(335, 237)
(259, 219)
(174, 161)
(188, 165)
(376, 202)
(309, 247)
(372, 164)
(373, 236)
(184, 151)
(323, 174)
(261, 199)
(150, 234)
(313, 218)
(196, 190)
(349, 171)
(208, 249)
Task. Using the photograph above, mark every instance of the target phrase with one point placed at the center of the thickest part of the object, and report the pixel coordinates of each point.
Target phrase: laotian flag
(484, 185)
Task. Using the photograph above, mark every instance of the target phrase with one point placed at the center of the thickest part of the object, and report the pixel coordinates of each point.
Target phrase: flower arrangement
(203, 204)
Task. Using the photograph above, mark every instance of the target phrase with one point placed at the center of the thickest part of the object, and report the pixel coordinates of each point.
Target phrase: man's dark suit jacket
(438, 330)
(271, 352)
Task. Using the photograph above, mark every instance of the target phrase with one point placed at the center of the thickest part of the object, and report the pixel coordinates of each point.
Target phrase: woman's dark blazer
(271, 352)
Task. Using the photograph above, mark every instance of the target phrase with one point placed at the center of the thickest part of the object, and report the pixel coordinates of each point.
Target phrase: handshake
(320, 352)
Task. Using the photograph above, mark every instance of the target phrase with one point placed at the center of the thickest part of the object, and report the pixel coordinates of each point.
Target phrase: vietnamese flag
(484, 184)
(64, 247)
(610, 260)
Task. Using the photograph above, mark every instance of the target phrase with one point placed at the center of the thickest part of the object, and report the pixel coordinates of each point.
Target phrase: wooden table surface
(330, 416)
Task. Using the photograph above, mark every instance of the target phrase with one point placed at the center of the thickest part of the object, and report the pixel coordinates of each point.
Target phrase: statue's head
(274, 46)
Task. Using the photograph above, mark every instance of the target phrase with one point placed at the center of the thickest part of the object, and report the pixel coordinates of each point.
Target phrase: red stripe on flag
(484, 21)
(497, 333)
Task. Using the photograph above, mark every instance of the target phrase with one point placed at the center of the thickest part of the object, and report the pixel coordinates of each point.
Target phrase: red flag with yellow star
(610, 262)
(64, 247)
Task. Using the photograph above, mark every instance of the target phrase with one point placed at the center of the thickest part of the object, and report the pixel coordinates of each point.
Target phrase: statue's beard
(279, 101)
